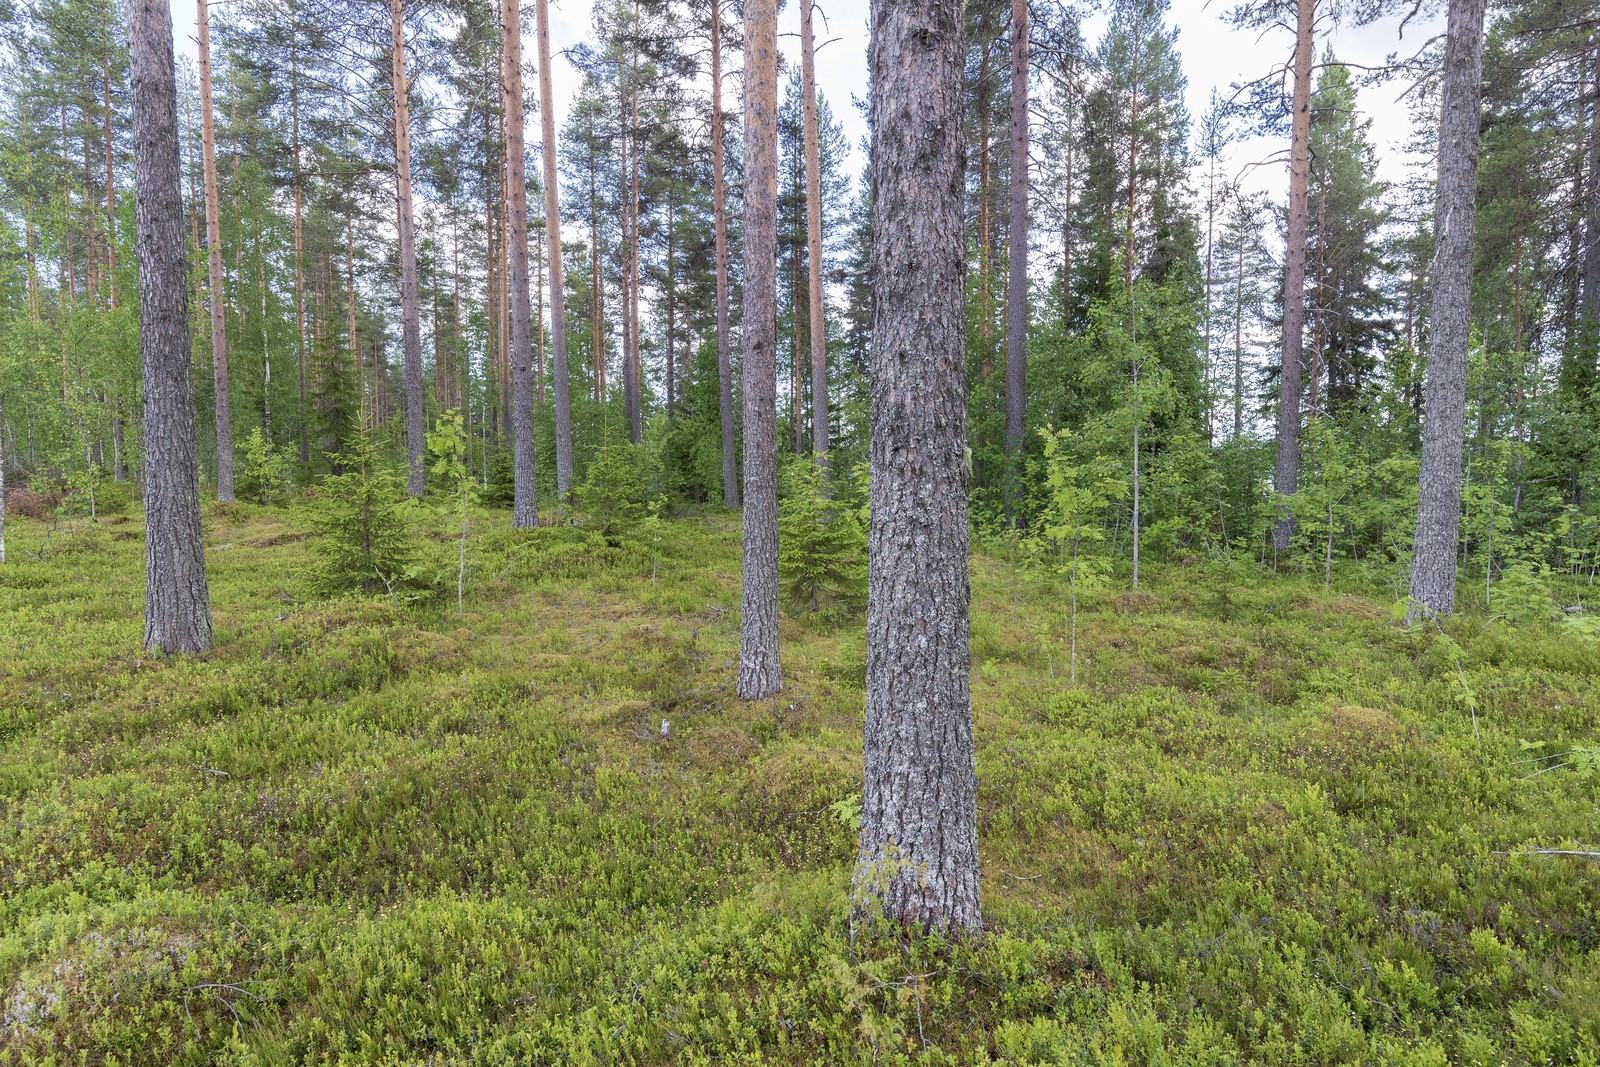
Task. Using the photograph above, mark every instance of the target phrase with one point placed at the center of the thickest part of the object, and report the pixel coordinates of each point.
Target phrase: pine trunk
(219, 329)
(759, 672)
(525, 493)
(1589, 307)
(1017, 254)
(552, 229)
(819, 334)
(719, 198)
(919, 840)
(1433, 563)
(177, 601)
(299, 260)
(1286, 476)
(410, 312)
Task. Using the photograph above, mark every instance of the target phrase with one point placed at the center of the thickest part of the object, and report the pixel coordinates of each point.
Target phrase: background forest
(1145, 259)
(477, 749)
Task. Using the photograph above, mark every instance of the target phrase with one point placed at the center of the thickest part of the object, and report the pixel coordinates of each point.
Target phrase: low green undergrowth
(1266, 824)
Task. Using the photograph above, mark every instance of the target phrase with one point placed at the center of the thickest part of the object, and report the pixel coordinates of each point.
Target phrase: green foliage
(616, 495)
(261, 474)
(368, 831)
(822, 550)
(365, 539)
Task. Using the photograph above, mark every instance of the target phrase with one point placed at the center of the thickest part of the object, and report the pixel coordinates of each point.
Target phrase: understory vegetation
(1265, 824)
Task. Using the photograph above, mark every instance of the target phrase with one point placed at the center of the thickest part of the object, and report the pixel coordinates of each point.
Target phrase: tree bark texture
(1017, 251)
(525, 492)
(819, 334)
(219, 329)
(919, 841)
(1286, 475)
(177, 614)
(552, 229)
(719, 197)
(759, 673)
(1433, 562)
(1589, 308)
(410, 312)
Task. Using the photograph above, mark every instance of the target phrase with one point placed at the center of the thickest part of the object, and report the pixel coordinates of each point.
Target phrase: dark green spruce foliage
(822, 550)
(365, 542)
(614, 496)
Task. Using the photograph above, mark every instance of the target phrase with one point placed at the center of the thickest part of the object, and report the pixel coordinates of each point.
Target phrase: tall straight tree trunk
(1017, 255)
(759, 673)
(558, 299)
(177, 614)
(504, 322)
(111, 181)
(410, 312)
(819, 334)
(919, 834)
(1286, 476)
(1433, 563)
(491, 274)
(1589, 306)
(355, 353)
(525, 498)
(719, 200)
(1238, 345)
(671, 294)
(299, 256)
(634, 371)
(219, 328)
(537, 281)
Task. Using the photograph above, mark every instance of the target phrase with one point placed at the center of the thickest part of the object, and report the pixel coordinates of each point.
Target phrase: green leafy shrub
(365, 534)
(822, 551)
(263, 474)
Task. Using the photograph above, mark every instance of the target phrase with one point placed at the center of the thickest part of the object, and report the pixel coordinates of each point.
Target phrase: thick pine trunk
(219, 329)
(410, 312)
(919, 840)
(525, 498)
(1286, 476)
(177, 602)
(759, 673)
(719, 199)
(819, 335)
(552, 229)
(1433, 563)
(1017, 254)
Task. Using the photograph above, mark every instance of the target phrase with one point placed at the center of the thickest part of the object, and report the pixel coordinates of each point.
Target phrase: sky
(1214, 56)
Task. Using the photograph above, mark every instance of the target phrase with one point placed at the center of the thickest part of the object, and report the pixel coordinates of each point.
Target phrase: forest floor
(1267, 824)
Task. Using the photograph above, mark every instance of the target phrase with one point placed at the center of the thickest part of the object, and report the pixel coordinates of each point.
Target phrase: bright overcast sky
(1213, 56)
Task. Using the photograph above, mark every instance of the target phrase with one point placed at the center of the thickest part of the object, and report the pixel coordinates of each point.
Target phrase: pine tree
(177, 599)
(759, 672)
(1433, 562)
(918, 861)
